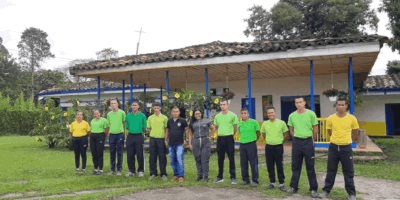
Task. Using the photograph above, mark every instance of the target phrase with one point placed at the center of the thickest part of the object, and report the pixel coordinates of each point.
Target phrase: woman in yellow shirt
(80, 130)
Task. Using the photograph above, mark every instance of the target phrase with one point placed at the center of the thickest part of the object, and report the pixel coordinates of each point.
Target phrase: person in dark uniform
(200, 143)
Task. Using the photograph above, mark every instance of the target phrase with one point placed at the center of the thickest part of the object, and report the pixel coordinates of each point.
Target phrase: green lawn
(52, 172)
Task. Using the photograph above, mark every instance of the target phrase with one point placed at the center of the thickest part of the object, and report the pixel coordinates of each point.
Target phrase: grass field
(52, 172)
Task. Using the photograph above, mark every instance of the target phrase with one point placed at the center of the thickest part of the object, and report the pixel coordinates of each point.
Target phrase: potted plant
(331, 93)
(228, 95)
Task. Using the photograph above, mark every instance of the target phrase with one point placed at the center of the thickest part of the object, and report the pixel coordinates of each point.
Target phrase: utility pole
(137, 47)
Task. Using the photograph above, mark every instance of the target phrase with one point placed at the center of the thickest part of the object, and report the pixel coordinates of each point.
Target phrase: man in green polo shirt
(249, 131)
(156, 124)
(275, 133)
(135, 122)
(116, 118)
(303, 126)
(226, 124)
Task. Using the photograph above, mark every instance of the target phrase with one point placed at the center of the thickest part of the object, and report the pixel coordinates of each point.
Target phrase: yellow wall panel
(373, 128)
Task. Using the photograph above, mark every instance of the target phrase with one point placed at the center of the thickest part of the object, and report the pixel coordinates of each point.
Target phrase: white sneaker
(141, 175)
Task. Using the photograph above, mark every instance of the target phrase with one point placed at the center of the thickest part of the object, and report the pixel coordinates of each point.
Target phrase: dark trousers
(303, 149)
(116, 142)
(97, 141)
(226, 144)
(344, 154)
(274, 156)
(248, 154)
(80, 145)
(158, 149)
(134, 146)
(202, 153)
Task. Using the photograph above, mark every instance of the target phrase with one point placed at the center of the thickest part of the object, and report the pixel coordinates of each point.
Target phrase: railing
(323, 135)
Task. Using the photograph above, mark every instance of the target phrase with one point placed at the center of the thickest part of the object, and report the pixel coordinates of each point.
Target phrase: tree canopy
(298, 19)
(393, 67)
(392, 8)
(33, 50)
(107, 54)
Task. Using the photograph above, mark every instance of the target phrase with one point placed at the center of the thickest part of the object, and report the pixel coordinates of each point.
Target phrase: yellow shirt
(342, 128)
(79, 129)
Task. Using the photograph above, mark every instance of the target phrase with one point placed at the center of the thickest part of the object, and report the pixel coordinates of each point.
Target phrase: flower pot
(333, 99)
(148, 105)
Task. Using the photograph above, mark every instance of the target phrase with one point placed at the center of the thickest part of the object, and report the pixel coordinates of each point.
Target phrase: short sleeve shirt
(98, 126)
(225, 123)
(135, 123)
(201, 128)
(303, 123)
(157, 125)
(79, 129)
(176, 131)
(116, 120)
(341, 128)
(274, 131)
(248, 131)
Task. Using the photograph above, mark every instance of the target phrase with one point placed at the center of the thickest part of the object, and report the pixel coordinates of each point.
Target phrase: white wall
(286, 86)
(373, 109)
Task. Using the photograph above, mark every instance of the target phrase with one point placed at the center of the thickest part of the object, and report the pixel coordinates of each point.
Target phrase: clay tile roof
(382, 82)
(86, 86)
(219, 49)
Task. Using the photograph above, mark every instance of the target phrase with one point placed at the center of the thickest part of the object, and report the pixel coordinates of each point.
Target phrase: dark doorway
(392, 119)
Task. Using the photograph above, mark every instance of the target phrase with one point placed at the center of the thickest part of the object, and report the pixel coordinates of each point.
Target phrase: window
(266, 102)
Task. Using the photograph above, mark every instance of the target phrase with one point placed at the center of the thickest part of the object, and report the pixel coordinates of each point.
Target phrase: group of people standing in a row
(303, 127)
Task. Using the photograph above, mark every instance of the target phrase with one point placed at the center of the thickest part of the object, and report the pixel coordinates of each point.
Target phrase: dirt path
(373, 188)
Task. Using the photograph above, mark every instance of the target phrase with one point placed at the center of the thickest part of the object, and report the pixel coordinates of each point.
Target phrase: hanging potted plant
(228, 95)
(331, 93)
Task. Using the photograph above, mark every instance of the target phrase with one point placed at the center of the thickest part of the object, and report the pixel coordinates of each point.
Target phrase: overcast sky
(79, 28)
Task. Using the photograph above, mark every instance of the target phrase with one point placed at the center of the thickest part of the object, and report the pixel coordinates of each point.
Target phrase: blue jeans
(176, 154)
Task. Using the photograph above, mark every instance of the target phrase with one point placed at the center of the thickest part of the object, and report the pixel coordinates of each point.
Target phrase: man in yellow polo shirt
(340, 127)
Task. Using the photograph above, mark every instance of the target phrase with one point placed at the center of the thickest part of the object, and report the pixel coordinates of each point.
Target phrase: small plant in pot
(331, 93)
(228, 95)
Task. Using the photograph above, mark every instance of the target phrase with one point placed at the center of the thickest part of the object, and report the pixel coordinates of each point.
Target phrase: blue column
(207, 112)
(249, 90)
(98, 88)
(131, 92)
(351, 85)
(312, 84)
(161, 97)
(167, 79)
(123, 95)
(144, 103)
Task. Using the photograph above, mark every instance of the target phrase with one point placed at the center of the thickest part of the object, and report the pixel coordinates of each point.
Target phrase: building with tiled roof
(269, 73)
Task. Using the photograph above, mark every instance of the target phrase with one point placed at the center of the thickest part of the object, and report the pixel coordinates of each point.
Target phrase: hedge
(17, 121)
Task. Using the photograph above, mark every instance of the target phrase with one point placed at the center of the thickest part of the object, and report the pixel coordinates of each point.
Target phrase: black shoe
(271, 186)
(291, 191)
(205, 179)
(245, 183)
(254, 184)
(199, 178)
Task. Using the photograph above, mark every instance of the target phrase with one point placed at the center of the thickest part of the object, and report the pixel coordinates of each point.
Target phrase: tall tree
(392, 8)
(74, 79)
(3, 50)
(33, 50)
(297, 19)
(393, 67)
(107, 54)
(9, 75)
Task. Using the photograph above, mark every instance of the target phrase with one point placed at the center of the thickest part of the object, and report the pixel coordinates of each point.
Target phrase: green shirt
(116, 120)
(225, 123)
(303, 123)
(98, 126)
(248, 131)
(135, 123)
(274, 131)
(157, 125)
